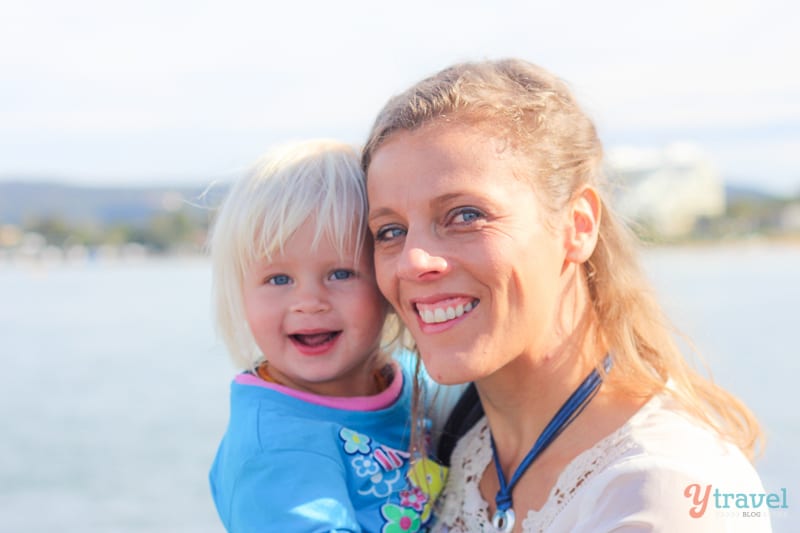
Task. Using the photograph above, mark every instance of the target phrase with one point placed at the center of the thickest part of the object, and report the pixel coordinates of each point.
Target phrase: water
(740, 305)
(112, 398)
(114, 390)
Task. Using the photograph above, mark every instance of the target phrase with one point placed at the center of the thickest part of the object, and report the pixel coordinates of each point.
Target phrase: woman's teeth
(443, 314)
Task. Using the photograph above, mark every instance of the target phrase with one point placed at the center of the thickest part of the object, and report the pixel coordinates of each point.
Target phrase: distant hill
(22, 202)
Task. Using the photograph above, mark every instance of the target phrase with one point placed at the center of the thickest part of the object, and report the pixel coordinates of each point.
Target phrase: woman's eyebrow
(435, 201)
(447, 197)
(379, 212)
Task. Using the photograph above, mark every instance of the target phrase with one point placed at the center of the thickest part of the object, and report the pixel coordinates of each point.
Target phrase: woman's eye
(388, 233)
(279, 279)
(341, 274)
(465, 215)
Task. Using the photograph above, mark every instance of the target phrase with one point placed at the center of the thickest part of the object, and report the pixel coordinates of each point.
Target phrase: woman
(494, 244)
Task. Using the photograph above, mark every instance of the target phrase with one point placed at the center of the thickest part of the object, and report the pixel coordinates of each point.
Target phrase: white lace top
(636, 479)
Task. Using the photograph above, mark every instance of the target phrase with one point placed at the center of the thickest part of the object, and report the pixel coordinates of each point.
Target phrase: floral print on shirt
(410, 487)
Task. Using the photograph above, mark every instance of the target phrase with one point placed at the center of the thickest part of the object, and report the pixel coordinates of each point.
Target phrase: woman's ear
(583, 225)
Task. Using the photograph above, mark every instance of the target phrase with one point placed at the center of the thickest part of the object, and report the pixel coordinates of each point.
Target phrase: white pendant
(503, 521)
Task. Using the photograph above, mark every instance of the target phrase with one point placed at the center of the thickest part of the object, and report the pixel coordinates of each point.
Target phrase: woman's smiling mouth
(442, 311)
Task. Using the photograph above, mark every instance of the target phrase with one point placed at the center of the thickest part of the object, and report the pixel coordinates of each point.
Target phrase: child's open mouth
(315, 340)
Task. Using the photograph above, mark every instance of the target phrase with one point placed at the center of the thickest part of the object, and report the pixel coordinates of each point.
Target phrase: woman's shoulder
(661, 467)
(664, 433)
(662, 437)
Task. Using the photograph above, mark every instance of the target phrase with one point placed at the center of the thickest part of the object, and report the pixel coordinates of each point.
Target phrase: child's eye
(465, 215)
(341, 274)
(279, 279)
(388, 233)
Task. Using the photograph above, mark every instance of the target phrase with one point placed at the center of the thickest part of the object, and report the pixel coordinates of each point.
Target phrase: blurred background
(121, 124)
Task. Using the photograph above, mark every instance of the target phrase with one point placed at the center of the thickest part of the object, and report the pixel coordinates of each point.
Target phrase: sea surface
(113, 389)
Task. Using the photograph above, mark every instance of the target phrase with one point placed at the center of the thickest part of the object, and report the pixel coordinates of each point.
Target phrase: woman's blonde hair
(536, 113)
(318, 180)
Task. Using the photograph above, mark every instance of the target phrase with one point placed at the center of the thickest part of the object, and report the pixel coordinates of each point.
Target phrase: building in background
(667, 191)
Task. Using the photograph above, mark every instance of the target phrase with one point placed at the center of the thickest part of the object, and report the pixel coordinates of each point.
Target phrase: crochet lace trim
(463, 509)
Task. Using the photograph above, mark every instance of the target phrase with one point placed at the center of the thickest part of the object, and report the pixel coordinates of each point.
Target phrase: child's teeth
(468, 307)
(451, 313)
(440, 315)
(459, 310)
(427, 316)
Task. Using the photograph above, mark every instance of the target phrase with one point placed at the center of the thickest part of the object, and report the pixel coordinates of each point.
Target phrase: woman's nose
(420, 263)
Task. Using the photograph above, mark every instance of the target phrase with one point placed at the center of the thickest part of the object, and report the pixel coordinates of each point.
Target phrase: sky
(187, 92)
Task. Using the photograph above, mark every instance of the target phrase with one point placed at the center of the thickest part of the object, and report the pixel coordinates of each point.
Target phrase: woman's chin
(448, 370)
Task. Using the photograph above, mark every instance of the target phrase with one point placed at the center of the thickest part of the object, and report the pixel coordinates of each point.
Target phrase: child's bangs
(340, 219)
(337, 217)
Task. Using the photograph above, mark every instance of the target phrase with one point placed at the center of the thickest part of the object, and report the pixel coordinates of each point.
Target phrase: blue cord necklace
(504, 517)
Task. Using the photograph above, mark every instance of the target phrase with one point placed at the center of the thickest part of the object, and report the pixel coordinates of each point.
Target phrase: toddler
(319, 436)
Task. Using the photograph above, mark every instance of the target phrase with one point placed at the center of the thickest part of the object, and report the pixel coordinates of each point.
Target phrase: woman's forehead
(439, 159)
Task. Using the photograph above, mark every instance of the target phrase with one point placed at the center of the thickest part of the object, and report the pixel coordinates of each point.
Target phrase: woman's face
(462, 250)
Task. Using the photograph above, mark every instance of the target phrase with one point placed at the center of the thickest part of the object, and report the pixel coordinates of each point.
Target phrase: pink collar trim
(381, 400)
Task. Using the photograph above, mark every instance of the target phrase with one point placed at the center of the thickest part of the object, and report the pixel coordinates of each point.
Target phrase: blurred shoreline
(135, 254)
(52, 223)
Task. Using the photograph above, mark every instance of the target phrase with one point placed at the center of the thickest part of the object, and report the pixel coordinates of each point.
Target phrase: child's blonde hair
(318, 180)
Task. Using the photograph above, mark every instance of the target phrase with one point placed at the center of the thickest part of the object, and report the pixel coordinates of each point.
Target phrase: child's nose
(311, 299)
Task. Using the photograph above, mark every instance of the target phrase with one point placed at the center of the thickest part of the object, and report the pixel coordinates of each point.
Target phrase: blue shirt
(292, 462)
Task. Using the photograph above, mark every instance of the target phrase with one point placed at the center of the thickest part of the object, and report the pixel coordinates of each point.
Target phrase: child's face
(316, 318)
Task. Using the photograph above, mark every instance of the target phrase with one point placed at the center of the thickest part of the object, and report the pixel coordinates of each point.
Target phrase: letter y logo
(693, 491)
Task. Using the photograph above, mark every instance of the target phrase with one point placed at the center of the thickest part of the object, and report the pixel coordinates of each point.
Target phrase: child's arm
(298, 491)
